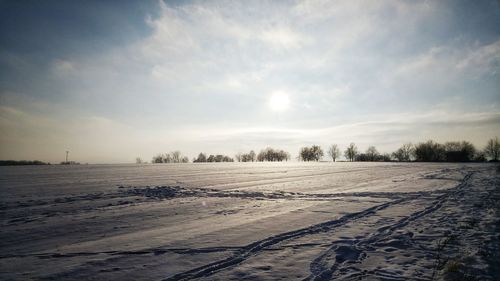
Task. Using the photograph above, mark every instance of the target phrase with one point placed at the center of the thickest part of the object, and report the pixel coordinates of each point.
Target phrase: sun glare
(279, 101)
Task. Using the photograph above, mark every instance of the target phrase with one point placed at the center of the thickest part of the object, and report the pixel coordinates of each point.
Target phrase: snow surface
(250, 221)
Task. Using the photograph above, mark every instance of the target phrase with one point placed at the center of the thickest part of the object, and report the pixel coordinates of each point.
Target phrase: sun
(279, 101)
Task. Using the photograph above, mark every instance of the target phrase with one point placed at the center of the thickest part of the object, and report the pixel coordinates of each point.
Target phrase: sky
(114, 80)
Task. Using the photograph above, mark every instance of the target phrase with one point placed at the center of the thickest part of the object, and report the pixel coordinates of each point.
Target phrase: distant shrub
(404, 153)
(246, 157)
(452, 151)
(202, 157)
(459, 151)
(365, 157)
(479, 157)
(219, 158)
(172, 157)
(429, 152)
(386, 157)
(273, 155)
(21, 162)
(313, 153)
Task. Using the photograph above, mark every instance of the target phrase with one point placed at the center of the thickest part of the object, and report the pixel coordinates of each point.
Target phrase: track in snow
(341, 249)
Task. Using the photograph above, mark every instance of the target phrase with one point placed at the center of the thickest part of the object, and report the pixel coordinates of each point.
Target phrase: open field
(250, 221)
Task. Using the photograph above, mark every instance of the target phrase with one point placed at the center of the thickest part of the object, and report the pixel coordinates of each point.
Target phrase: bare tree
(305, 154)
(317, 152)
(372, 153)
(404, 152)
(261, 157)
(252, 155)
(334, 152)
(351, 152)
(288, 156)
(138, 160)
(176, 156)
(238, 156)
(167, 158)
(172, 157)
(492, 149)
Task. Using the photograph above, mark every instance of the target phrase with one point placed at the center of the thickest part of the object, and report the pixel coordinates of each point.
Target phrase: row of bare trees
(268, 154)
(246, 157)
(172, 157)
(450, 151)
(273, 155)
(429, 151)
(202, 157)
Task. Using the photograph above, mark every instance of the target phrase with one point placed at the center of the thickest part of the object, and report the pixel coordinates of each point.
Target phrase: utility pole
(67, 152)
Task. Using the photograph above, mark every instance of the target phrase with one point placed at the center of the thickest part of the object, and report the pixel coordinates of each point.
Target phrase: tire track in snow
(169, 192)
(353, 251)
(153, 251)
(254, 248)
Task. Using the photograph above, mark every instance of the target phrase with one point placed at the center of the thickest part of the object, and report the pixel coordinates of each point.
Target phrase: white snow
(250, 221)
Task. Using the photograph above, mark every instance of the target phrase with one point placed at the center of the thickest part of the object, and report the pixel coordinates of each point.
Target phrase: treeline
(449, 151)
(273, 155)
(430, 151)
(172, 157)
(267, 154)
(202, 157)
(246, 157)
(21, 162)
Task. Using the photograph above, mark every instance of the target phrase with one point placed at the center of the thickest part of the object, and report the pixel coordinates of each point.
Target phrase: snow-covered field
(250, 221)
